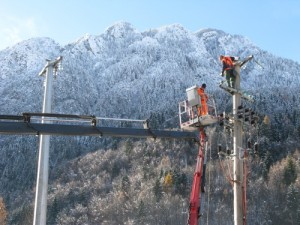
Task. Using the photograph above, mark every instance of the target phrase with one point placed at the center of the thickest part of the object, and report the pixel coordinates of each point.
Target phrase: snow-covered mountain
(125, 73)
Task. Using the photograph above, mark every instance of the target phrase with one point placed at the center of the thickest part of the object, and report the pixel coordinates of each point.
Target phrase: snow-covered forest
(125, 73)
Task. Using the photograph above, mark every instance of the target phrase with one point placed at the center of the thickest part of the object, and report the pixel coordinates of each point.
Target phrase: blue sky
(273, 25)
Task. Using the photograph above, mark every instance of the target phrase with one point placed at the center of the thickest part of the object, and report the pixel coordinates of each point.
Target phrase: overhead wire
(226, 171)
(209, 182)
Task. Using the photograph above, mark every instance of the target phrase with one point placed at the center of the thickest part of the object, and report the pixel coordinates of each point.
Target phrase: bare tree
(3, 212)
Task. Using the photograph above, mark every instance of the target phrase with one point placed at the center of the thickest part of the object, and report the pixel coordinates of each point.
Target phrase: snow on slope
(126, 73)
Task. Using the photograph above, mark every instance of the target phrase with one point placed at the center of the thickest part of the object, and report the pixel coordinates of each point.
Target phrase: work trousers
(229, 75)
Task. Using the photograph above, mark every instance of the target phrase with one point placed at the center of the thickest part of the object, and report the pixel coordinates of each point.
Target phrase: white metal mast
(40, 206)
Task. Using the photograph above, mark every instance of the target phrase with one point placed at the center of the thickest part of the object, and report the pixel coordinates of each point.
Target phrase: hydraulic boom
(194, 209)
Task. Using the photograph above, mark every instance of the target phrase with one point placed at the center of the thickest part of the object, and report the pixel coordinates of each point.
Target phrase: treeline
(148, 182)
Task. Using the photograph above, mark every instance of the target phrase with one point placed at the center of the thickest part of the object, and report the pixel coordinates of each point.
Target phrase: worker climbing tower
(197, 112)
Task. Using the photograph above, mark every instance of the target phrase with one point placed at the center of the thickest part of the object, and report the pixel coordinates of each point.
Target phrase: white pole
(237, 163)
(40, 207)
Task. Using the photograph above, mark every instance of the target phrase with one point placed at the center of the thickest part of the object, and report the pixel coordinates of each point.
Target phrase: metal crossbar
(18, 125)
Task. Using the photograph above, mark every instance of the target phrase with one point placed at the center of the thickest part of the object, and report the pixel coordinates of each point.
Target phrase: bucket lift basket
(188, 111)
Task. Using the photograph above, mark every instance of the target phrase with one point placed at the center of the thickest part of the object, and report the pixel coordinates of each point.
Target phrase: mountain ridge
(124, 73)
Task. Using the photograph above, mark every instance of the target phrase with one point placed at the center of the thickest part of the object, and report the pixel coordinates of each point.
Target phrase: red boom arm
(194, 210)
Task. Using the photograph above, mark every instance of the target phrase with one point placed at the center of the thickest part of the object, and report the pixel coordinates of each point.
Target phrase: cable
(208, 194)
(229, 178)
(228, 174)
(244, 199)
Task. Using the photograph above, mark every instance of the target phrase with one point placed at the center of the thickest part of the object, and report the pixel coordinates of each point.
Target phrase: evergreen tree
(157, 190)
(298, 215)
(141, 212)
(125, 184)
(53, 211)
(128, 148)
(180, 182)
(267, 162)
(115, 170)
(181, 186)
(290, 173)
(292, 198)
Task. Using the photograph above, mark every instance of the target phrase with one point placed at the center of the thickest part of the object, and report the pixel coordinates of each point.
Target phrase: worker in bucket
(228, 69)
(203, 110)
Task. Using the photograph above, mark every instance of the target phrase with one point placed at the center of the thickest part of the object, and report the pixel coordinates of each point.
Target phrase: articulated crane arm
(194, 209)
